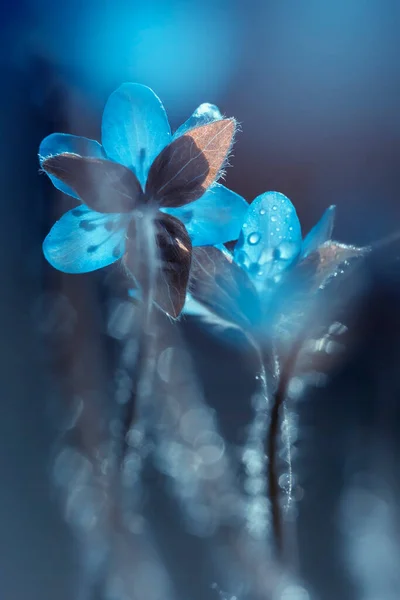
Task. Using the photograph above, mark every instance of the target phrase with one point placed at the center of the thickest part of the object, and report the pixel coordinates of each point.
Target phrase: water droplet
(244, 225)
(290, 228)
(278, 229)
(287, 250)
(254, 238)
(262, 211)
(273, 219)
(274, 207)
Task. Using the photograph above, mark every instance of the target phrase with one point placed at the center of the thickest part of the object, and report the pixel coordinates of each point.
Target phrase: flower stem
(273, 468)
(272, 447)
(141, 262)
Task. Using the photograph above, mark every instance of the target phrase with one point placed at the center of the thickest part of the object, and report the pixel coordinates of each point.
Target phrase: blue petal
(320, 233)
(213, 219)
(84, 240)
(205, 113)
(270, 239)
(57, 143)
(135, 128)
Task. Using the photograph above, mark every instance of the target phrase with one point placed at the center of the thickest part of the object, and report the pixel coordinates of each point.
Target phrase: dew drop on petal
(287, 250)
(273, 219)
(274, 207)
(262, 211)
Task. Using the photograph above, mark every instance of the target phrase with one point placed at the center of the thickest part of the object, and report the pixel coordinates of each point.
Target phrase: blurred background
(316, 88)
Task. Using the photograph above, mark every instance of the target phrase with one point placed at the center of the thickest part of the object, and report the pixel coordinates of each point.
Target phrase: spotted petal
(320, 233)
(59, 143)
(135, 128)
(270, 239)
(103, 185)
(213, 219)
(205, 113)
(84, 240)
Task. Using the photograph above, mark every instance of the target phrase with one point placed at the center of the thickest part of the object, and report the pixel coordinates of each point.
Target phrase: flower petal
(213, 219)
(135, 127)
(311, 301)
(205, 113)
(320, 233)
(223, 287)
(270, 239)
(187, 167)
(174, 251)
(103, 185)
(84, 240)
(58, 143)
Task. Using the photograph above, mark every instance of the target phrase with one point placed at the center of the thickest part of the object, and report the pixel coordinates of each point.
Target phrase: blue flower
(241, 287)
(142, 169)
(270, 241)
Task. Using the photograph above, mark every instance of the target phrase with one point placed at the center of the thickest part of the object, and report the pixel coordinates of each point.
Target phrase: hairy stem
(272, 445)
(273, 467)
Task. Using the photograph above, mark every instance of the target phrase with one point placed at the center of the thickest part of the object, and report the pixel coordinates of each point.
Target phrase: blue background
(316, 88)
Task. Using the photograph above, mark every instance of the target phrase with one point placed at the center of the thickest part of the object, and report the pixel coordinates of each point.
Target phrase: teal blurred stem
(143, 246)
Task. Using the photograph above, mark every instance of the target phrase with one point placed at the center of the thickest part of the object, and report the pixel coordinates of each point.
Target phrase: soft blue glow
(135, 128)
(320, 233)
(84, 240)
(185, 50)
(215, 218)
(57, 143)
(270, 240)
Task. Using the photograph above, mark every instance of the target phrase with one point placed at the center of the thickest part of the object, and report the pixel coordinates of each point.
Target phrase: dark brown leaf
(174, 256)
(223, 287)
(184, 170)
(175, 251)
(104, 186)
(324, 262)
